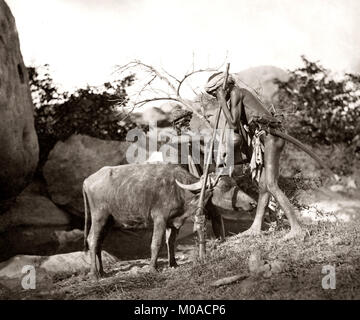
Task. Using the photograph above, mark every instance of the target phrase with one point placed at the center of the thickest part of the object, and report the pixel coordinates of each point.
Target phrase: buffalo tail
(87, 222)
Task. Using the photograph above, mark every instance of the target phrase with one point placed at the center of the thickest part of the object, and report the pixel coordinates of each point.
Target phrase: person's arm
(256, 110)
(221, 98)
(235, 109)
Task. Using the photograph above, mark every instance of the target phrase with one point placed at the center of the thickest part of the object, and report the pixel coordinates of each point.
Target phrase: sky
(82, 40)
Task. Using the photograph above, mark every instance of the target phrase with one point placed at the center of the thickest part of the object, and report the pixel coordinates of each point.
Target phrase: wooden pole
(200, 213)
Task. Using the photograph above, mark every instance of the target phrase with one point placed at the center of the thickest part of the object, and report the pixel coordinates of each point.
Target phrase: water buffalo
(145, 194)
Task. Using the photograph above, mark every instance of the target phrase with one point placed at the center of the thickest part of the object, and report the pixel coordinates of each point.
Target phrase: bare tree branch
(189, 75)
(143, 102)
(172, 82)
(146, 85)
(198, 71)
(170, 75)
(159, 75)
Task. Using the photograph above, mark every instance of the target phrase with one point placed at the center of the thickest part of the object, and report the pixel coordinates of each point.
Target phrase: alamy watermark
(178, 149)
(29, 280)
(329, 280)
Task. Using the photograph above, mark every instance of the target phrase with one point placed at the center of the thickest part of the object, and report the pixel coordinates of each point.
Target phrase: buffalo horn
(191, 187)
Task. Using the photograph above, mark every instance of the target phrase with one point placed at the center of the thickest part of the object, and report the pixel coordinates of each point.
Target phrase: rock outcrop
(18, 141)
(35, 225)
(13, 271)
(33, 210)
(70, 162)
(43, 240)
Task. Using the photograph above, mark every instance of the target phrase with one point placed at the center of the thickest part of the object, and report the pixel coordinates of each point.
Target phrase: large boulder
(66, 262)
(35, 225)
(42, 240)
(32, 209)
(13, 271)
(73, 160)
(18, 141)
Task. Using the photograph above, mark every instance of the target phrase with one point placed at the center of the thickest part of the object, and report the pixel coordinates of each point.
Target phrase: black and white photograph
(175, 155)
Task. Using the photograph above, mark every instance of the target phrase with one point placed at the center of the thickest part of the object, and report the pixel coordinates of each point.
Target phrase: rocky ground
(269, 267)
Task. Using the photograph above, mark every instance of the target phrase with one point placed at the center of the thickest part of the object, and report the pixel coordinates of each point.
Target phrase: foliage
(42, 87)
(91, 111)
(323, 109)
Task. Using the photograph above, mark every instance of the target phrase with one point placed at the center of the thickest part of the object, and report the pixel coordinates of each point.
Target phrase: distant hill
(261, 79)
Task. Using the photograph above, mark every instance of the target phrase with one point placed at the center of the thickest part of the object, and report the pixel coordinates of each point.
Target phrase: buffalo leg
(156, 242)
(98, 224)
(107, 225)
(273, 148)
(171, 234)
(217, 224)
(92, 247)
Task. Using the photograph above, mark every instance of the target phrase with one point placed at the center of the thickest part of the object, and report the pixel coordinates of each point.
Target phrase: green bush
(319, 107)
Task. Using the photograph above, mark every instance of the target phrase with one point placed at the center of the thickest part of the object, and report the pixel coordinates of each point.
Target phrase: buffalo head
(225, 193)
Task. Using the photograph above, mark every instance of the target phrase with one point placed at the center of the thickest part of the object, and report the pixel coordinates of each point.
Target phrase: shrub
(91, 111)
(321, 108)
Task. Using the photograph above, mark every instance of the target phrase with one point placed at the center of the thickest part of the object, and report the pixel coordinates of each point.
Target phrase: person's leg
(263, 201)
(273, 148)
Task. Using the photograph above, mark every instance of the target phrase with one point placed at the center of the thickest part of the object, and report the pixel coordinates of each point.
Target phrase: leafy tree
(92, 111)
(322, 108)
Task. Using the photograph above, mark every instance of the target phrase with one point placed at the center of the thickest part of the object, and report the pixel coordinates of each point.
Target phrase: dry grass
(326, 244)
